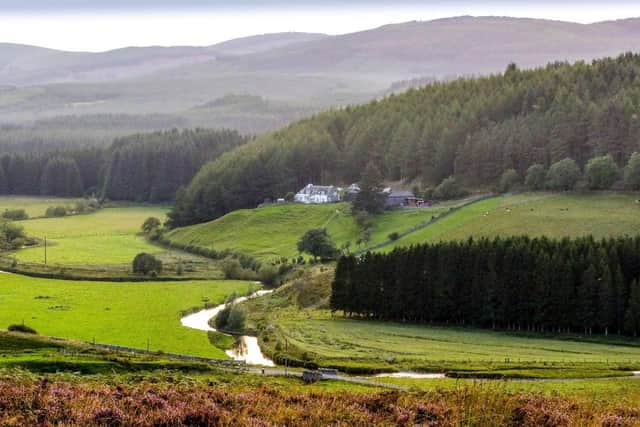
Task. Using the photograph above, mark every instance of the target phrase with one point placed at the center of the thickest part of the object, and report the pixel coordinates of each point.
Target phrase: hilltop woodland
(581, 285)
(143, 167)
(474, 129)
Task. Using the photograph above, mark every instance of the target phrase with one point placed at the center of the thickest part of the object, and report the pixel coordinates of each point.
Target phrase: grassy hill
(537, 214)
(274, 231)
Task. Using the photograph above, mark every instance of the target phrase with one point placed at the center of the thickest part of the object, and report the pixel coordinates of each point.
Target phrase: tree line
(473, 129)
(517, 283)
(142, 167)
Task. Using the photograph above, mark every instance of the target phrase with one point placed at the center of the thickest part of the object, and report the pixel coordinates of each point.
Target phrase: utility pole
(45, 250)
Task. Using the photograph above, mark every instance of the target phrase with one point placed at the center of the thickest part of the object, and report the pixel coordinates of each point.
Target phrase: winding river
(247, 349)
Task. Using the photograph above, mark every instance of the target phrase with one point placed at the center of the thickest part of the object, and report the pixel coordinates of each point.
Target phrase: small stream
(247, 349)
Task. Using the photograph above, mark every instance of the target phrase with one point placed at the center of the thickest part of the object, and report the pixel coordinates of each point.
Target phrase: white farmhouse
(317, 194)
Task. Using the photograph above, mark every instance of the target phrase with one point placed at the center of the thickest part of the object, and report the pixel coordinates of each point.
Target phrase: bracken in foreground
(46, 403)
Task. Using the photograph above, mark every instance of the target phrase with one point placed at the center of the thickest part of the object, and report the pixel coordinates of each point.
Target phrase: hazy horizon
(78, 25)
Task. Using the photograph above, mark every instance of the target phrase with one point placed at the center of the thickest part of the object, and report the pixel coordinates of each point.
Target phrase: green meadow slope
(536, 214)
(273, 231)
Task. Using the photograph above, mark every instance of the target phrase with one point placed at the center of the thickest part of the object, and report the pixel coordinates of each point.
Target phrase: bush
(268, 275)
(290, 197)
(601, 173)
(11, 236)
(147, 264)
(231, 318)
(56, 211)
(231, 268)
(563, 175)
(236, 319)
(15, 214)
(449, 189)
(536, 178)
(508, 181)
(22, 328)
(394, 236)
(150, 225)
(632, 172)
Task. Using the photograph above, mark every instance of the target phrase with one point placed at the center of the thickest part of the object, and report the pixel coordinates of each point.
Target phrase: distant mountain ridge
(295, 74)
(30, 65)
(445, 47)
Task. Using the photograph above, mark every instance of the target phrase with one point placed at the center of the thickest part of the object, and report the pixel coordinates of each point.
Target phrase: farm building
(351, 193)
(318, 194)
(402, 199)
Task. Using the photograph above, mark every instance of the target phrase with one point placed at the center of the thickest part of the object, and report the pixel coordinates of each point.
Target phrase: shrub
(11, 236)
(268, 275)
(394, 236)
(508, 181)
(231, 318)
(563, 175)
(448, 189)
(15, 214)
(536, 177)
(150, 224)
(55, 211)
(601, 172)
(231, 268)
(632, 172)
(289, 197)
(147, 264)
(236, 319)
(22, 328)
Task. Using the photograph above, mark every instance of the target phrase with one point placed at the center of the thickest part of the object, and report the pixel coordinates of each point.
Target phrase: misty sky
(96, 25)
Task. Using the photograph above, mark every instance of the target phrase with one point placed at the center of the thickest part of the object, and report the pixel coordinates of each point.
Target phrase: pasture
(34, 206)
(126, 314)
(273, 231)
(108, 236)
(536, 214)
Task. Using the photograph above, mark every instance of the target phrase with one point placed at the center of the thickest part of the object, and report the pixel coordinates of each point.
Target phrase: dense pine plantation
(152, 167)
(475, 129)
(517, 283)
(143, 167)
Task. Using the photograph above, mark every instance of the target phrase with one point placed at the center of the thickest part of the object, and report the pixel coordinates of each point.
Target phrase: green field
(273, 231)
(108, 236)
(125, 314)
(34, 206)
(537, 214)
(296, 314)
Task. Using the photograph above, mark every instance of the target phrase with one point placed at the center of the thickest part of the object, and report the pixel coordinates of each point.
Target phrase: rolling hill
(299, 73)
(273, 231)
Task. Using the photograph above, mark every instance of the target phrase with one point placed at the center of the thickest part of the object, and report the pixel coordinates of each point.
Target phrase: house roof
(403, 194)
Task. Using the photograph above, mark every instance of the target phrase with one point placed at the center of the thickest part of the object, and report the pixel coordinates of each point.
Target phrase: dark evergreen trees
(370, 199)
(474, 129)
(583, 285)
(61, 177)
(152, 167)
